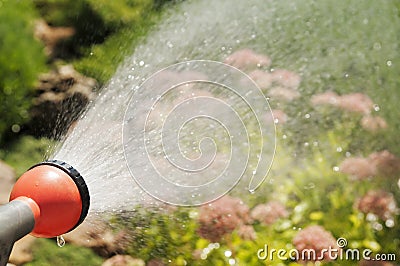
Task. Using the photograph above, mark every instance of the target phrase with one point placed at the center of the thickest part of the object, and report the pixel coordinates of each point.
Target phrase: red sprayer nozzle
(61, 194)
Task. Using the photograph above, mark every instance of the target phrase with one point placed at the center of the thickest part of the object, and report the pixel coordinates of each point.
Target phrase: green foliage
(313, 193)
(127, 22)
(347, 46)
(21, 60)
(168, 236)
(21, 154)
(47, 253)
(117, 14)
(103, 59)
(106, 31)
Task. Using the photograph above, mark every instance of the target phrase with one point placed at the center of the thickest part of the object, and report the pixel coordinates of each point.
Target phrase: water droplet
(389, 223)
(348, 154)
(141, 63)
(232, 261)
(371, 217)
(389, 63)
(306, 144)
(310, 185)
(376, 108)
(228, 253)
(60, 241)
(284, 136)
(339, 149)
(15, 128)
(346, 75)
(307, 116)
(336, 168)
(377, 226)
(377, 46)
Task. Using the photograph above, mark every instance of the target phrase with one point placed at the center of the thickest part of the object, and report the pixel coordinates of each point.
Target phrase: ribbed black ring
(79, 181)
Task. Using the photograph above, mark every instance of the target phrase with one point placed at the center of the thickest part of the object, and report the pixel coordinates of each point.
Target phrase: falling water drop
(228, 253)
(389, 223)
(60, 241)
(377, 226)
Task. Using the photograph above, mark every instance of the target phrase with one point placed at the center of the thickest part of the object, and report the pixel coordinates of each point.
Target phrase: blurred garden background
(331, 73)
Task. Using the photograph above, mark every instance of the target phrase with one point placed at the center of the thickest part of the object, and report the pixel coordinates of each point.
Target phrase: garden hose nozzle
(48, 200)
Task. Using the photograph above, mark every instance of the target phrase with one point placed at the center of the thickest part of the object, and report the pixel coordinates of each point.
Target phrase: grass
(24, 152)
(47, 253)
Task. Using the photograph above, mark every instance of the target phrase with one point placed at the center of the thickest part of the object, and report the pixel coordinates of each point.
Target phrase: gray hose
(16, 221)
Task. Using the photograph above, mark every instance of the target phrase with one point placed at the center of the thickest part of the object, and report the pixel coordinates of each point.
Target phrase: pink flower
(247, 59)
(123, 260)
(353, 102)
(378, 202)
(269, 213)
(279, 117)
(263, 79)
(221, 217)
(286, 78)
(247, 232)
(283, 93)
(326, 98)
(314, 238)
(373, 123)
(356, 102)
(386, 163)
(378, 163)
(358, 168)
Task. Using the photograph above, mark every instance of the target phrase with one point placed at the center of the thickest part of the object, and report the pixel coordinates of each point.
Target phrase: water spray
(48, 200)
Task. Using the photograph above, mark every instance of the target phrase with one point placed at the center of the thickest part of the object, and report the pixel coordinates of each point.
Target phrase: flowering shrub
(269, 213)
(222, 217)
(378, 202)
(315, 237)
(320, 190)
